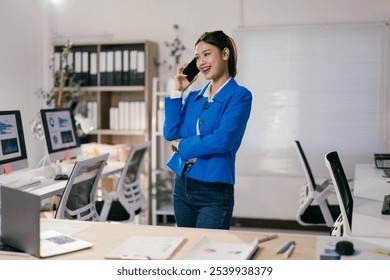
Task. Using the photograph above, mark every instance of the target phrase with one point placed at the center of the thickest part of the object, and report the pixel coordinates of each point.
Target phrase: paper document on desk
(146, 248)
(207, 249)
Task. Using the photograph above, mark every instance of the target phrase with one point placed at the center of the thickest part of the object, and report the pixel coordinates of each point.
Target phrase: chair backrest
(306, 167)
(78, 199)
(314, 208)
(129, 186)
(343, 224)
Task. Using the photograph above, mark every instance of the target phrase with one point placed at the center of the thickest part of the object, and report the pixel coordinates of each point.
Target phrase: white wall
(22, 31)
(153, 19)
(285, 12)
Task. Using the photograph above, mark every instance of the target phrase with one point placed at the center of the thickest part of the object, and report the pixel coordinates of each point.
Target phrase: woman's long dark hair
(221, 40)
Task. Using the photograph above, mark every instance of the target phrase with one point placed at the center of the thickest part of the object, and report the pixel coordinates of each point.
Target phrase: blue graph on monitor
(5, 128)
(62, 122)
(67, 136)
(9, 146)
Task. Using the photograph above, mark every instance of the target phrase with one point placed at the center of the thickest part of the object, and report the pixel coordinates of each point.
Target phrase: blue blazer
(222, 125)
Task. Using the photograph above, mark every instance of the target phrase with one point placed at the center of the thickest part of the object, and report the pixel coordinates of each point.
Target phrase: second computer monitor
(60, 133)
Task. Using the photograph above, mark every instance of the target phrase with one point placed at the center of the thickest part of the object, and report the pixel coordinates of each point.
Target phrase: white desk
(49, 187)
(369, 182)
(369, 190)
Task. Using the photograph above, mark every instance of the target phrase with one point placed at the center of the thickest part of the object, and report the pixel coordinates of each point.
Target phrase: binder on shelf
(133, 116)
(92, 113)
(127, 115)
(114, 116)
(126, 68)
(70, 61)
(137, 115)
(85, 69)
(57, 67)
(103, 68)
(70, 65)
(140, 68)
(110, 68)
(122, 112)
(117, 68)
(142, 115)
(77, 66)
(93, 69)
(133, 67)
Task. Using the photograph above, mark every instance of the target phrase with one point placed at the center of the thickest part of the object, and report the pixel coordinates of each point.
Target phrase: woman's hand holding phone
(186, 75)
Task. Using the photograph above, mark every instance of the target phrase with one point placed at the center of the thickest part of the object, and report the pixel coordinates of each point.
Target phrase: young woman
(205, 131)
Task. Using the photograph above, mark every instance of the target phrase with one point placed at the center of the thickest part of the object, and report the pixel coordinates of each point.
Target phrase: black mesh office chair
(314, 208)
(78, 199)
(343, 224)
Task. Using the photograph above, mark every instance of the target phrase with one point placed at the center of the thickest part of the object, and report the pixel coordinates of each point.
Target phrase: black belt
(188, 165)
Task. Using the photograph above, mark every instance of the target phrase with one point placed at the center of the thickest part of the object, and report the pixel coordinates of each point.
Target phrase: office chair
(127, 200)
(343, 224)
(78, 199)
(314, 208)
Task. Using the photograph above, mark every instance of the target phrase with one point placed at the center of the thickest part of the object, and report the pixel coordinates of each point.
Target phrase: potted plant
(176, 48)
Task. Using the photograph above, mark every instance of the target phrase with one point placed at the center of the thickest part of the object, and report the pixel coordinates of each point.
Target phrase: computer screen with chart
(60, 133)
(13, 155)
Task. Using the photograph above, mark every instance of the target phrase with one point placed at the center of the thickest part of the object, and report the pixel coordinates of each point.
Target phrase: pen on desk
(285, 247)
(289, 251)
(267, 238)
(135, 257)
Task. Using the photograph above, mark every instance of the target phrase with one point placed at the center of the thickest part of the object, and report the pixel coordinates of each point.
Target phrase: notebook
(20, 226)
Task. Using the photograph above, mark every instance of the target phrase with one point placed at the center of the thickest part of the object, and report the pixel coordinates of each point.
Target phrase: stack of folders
(129, 115)
(122, 66)
(117, 65)
(81, 63)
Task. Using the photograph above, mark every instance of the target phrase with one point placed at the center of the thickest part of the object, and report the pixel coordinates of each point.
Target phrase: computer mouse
(61, 177)
(344, 248)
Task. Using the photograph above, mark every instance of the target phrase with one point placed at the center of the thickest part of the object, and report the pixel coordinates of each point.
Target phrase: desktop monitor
(13, 155)
(60, 133)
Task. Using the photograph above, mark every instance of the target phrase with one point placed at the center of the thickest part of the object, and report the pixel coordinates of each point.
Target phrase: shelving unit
(126, 76)
(162, 177)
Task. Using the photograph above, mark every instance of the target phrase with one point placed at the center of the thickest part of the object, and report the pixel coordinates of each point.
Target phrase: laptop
(20, 226)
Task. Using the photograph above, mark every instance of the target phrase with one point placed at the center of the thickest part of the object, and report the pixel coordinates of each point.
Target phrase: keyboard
(386, 205)
(23, 183)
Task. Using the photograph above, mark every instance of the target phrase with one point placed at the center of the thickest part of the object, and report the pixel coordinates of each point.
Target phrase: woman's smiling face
(211, 61)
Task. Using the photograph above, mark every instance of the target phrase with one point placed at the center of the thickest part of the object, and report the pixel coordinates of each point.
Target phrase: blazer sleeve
(173, 111)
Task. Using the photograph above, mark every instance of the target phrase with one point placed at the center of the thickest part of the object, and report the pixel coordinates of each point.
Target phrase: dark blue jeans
(201, 204)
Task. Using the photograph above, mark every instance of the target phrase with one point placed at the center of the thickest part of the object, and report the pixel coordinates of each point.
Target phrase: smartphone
(191, 70)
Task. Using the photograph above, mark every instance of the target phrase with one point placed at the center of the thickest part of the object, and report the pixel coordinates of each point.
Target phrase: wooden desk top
(107, 236)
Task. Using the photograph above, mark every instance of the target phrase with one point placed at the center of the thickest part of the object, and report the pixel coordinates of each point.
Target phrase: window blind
(324, 85)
